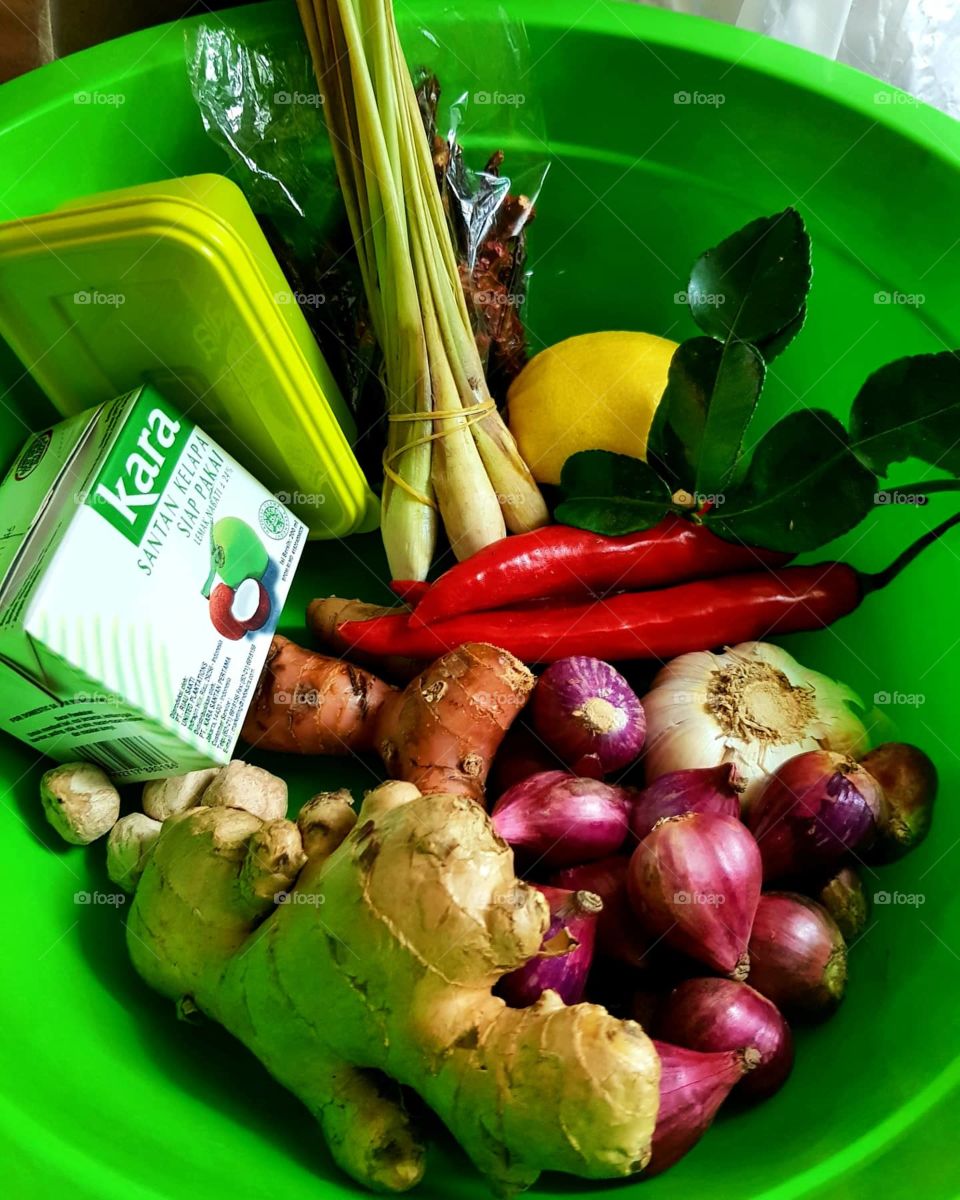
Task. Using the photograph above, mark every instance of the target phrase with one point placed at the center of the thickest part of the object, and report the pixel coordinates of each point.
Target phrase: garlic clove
(687, 742)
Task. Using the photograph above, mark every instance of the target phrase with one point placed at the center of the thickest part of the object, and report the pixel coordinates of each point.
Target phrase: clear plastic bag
(484, 104)
(913, 44)
(260, 102)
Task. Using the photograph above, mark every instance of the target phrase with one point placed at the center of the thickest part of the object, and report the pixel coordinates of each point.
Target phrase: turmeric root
(443, 730)
(306, 703)
(380, 972)
(440, 733)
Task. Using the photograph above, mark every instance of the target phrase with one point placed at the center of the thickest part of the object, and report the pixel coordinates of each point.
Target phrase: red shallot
(693, 1085)
(565, 954)
(560, 819)
(798, 958)
(619, 934)
(814, 809)
(699, 789)
(721, 1014)
(694, 881)
(583, 708)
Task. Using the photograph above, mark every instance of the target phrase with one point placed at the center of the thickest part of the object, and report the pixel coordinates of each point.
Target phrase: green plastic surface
(103, 1094)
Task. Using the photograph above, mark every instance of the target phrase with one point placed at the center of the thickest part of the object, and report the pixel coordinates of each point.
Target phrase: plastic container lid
(174, 284)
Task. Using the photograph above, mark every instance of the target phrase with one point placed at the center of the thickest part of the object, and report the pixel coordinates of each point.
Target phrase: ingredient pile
(618, 847)
(573, 971)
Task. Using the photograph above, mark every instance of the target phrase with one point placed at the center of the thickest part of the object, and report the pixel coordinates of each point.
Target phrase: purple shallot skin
(693, 1085)
(720, 1014)
(694, 880)
(557, 819)
(697, 789)
(586, 711)
(563, 964)
(814, 810)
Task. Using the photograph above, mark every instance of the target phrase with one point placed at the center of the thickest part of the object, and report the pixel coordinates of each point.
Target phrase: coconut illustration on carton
(239, 603)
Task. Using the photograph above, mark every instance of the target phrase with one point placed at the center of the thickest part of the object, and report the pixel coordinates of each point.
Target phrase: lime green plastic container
(174, 284)
(104, 1096)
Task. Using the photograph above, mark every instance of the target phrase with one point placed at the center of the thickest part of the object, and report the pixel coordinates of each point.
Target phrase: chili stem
(927, 488)
(880, 579)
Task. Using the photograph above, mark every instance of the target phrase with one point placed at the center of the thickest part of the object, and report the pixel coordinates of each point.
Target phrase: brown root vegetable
(326, 612)
(442, 731)
(273, 861)
(307, 703)
(378, 973)
(79, 801)
(324, 821)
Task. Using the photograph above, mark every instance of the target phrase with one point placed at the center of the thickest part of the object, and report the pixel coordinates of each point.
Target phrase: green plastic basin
(103, 1095)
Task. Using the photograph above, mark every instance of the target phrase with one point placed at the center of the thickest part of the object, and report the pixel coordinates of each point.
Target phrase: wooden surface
(25, 36)
(32, 32)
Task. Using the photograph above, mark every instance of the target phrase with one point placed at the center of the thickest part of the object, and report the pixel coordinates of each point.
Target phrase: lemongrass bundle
(448, 451)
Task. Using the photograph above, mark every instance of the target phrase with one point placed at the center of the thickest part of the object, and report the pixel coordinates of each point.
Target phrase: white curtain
(913, 44)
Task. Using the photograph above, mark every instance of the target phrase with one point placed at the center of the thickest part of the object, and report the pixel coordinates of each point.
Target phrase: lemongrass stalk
(520, 499)
(468, 504)
(408, 524)
(420, 315)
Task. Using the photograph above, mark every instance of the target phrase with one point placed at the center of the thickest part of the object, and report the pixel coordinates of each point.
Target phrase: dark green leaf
(665, 451)
(611, 493)
(804, 487)
(753, 286)
(737, 384)
(910, 409)
(697, 432)
(770, 347)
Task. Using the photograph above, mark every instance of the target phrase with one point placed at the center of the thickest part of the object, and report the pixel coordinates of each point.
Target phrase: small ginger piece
(442, 731)
(129, 845)
(164, 798)
(79, 801)
(388, 795)
(307, 703)
(274, 859)
(242, 785)
(324, 821)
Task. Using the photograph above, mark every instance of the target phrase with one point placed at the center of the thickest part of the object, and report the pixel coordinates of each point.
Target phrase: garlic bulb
(754, 705)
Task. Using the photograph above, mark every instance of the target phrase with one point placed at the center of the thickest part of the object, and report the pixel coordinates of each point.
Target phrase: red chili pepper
(657, 624)
(410, 591)
(560, 561)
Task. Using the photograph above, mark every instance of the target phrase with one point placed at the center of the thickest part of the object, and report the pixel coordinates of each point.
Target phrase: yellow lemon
(596, 391)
